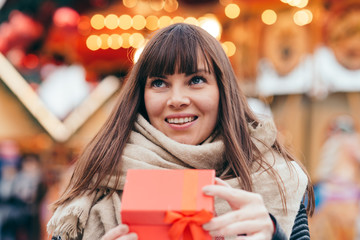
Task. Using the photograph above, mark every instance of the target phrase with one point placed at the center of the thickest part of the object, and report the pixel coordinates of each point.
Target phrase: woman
(181, 107)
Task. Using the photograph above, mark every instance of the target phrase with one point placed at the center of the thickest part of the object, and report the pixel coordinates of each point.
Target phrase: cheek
(153, 104)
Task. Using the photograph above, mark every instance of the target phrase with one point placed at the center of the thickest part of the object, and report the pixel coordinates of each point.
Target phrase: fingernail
(206, 190)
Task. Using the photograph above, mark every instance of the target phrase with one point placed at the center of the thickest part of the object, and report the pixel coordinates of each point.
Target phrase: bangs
(178, 49)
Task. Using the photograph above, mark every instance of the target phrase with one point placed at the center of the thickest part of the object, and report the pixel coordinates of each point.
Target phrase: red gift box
(167, 204)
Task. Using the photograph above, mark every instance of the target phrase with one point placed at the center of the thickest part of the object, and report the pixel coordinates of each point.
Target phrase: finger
(130, 236)
(244, 214)
(116, 232)
(235, 197)
(221, 182)
(247, 227)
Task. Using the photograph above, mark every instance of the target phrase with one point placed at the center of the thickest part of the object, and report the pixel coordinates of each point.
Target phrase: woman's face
(183, 107)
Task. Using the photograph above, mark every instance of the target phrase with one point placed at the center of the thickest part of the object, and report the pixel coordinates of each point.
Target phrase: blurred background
(63, 62)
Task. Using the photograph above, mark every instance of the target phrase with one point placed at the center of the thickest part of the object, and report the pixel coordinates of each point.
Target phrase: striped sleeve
(300, 230)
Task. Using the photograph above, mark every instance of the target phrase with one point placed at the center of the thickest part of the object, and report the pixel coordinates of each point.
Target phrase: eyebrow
(186, 74)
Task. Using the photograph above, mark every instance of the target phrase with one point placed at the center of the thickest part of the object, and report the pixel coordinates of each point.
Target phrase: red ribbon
(187, 225)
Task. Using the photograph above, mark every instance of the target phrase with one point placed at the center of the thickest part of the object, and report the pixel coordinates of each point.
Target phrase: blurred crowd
(21, 190)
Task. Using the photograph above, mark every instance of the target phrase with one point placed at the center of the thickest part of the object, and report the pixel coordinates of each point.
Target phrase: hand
(248, 216)
(121, 232)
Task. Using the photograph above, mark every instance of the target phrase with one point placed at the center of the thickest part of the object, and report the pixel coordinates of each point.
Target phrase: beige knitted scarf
(87, 217)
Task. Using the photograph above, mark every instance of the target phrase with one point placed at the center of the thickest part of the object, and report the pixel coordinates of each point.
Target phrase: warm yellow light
(104, 41)
(178, 19)
(303, 3)
(229, 48)
(129, 3)
(156, 5)
(111, 21)
(115, 41)
(152, 22)
(211, 25)
(232, 10)
(191, 20)
(139, 22)
(138, 53)
(171, 5)
(97, 21)
(294, 3)
(164, 21)
(125, 22)
(125, 37)
(303, 17)
(93, 42)
(136, 40)
(269, 17)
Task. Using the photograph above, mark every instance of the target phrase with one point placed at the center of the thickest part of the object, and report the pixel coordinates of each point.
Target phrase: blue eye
(158, 83)
(197, 80)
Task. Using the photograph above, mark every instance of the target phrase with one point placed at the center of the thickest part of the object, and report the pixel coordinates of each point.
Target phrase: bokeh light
(303, 17)
(229, 48)
(191, 20)
(126, 40)
(178, 19)
(136, 40)
(211, 25)
(164, 21)
(139, 22)
(66, 17)
(125, 22)
(104, 41)
(152, 22)
(97, 21)
(111, 21)
(269, 17)
(232, 10)
(129, 3)
(93, 42)
(115, 41)
(171, 5)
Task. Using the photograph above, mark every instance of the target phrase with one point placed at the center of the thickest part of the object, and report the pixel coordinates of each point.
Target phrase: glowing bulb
(269, 17)
(171, 5)
(164, 21)
(93, 42)
(139, 22)
(136, 40)
(232, 10)
(191, 20)
(97, 21)
(178, 19)
(125, 37)
(129, 3)
(211, 25)
(125, 22)
(229, 48)
(152, 22)
(111, 21)
(303, 17)
(115, 41)
(104, 41)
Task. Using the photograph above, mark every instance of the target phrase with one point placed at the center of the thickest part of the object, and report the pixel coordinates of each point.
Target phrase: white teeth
(180, 120)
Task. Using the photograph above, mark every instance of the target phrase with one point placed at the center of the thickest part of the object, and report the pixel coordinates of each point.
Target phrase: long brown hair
(176, 47)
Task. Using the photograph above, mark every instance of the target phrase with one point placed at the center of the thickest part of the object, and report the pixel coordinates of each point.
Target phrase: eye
(197, 80)
(158, 83)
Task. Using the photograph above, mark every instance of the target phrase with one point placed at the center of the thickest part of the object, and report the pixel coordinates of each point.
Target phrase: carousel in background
(62, 64)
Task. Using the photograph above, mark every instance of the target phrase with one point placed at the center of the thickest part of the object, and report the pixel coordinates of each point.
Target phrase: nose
(178, 99)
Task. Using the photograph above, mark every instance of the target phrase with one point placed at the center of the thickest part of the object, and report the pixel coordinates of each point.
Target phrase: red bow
(188, 225)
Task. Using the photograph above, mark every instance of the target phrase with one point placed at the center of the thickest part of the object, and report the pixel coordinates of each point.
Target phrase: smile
(181, 120)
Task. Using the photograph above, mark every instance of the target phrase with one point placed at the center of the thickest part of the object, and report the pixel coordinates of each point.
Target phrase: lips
(180, 120)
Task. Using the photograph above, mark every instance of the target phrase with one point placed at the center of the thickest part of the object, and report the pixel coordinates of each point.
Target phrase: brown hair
(174, 48)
